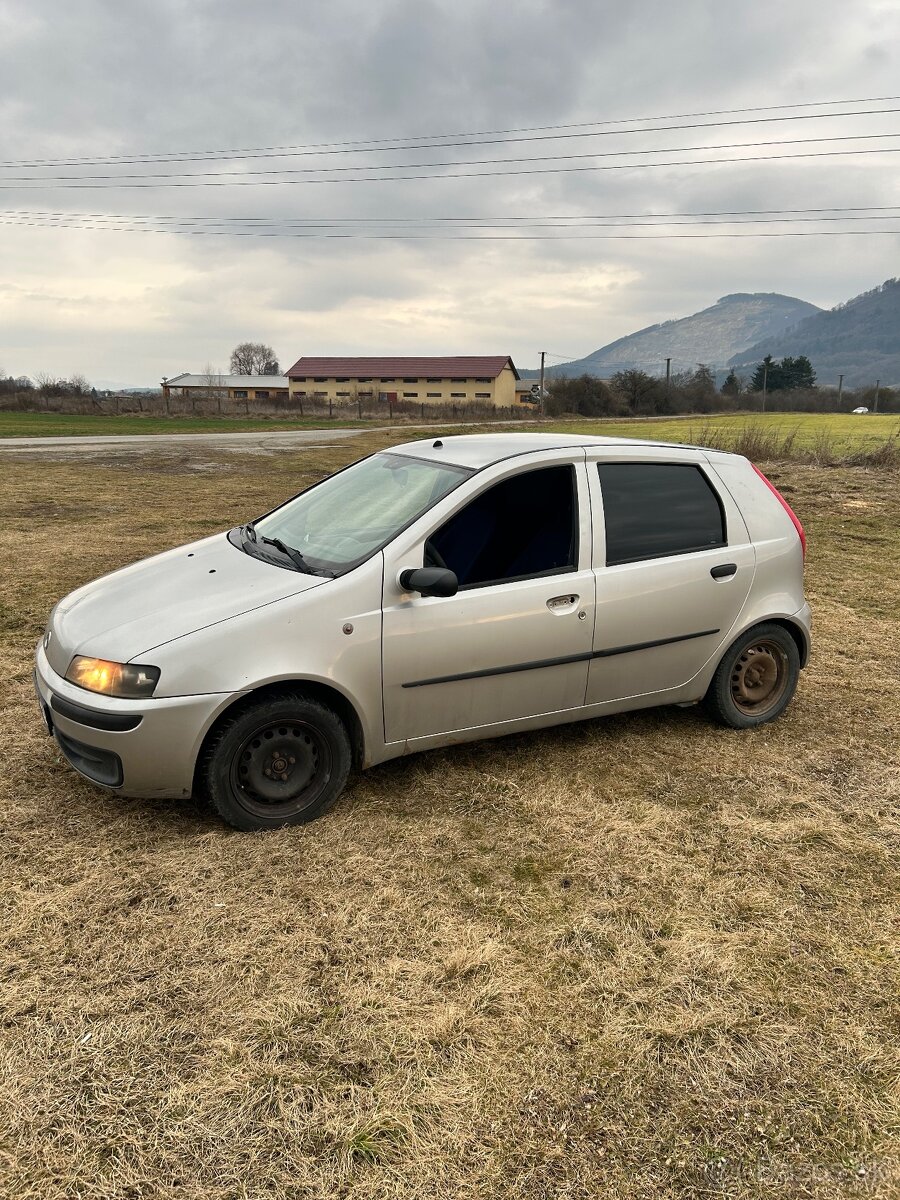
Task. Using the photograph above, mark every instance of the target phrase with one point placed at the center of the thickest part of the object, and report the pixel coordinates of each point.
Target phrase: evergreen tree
(789, 373)
(704, 378)
(756, 383)
(798, 372)
(733, 385)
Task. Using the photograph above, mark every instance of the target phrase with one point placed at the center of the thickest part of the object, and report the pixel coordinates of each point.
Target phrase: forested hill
(859, 339)
(711, 336)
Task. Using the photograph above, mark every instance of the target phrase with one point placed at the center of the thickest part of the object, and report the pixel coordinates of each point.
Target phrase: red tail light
(784, 504)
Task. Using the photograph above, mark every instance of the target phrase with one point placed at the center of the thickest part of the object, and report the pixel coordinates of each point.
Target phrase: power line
(724, 112)
(432, 237)
(873, 209)
(701, 162)
(51, 219)
(463, 162)
(403, 144)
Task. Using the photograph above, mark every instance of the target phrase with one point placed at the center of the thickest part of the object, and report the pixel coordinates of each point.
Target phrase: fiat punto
(438, 592)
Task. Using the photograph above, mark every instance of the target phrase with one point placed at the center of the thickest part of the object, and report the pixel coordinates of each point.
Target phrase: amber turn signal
(125, 680)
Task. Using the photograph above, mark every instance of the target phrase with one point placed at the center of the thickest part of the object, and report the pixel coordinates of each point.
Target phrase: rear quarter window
(652, 510)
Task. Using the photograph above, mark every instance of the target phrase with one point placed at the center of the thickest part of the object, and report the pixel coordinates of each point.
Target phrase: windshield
(346, 518)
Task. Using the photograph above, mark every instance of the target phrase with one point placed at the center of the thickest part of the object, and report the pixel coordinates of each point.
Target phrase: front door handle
(561, 603)
(724, 571)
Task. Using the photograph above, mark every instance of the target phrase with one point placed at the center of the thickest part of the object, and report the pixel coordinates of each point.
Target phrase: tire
(756, 679)
(279, 761)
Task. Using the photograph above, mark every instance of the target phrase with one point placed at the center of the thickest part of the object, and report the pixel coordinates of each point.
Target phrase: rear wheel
(756, 679)
(279, 761)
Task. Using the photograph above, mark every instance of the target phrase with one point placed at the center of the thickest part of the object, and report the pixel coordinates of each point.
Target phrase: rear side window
(522, 528)
(656, 509)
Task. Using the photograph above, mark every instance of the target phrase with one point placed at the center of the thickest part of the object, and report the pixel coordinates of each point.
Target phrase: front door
(515, 641)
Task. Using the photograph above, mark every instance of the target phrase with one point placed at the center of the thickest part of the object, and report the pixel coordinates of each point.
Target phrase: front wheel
(755, 681)
(279, 761)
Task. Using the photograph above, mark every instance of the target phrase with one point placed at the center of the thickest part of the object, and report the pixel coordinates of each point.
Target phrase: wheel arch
(797, 632)
(315, 689)
(794, 628)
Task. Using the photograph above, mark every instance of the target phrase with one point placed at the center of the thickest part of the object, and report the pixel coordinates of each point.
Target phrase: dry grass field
(643, 957)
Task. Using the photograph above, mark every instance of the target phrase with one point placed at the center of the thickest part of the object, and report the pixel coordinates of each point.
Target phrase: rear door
(675, 567)
(515, 641)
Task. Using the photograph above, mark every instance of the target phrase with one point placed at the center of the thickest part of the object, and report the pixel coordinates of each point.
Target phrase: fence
(357, 409)
(603, 401)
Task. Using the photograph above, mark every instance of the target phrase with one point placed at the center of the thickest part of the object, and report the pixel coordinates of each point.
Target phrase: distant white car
(860, 410)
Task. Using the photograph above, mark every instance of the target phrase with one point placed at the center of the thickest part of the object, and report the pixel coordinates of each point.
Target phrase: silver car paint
(658, 599)
(220, 624)
(131, 611)
(428, 637)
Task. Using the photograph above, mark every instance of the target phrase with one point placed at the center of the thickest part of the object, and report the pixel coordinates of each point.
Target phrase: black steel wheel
(278, 761)
(756, 679)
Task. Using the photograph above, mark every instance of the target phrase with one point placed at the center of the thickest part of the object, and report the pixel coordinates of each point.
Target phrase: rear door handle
(724, 570)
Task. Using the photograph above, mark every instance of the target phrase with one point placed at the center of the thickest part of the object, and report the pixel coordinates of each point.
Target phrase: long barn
(483, 380)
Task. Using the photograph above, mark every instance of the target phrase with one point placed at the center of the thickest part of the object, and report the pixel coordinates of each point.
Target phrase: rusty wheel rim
(759, 678)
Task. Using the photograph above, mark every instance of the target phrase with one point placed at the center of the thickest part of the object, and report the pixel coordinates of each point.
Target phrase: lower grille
(100, 766)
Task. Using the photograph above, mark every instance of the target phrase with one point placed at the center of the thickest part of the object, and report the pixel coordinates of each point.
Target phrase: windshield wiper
(249, 537)
(289, 552)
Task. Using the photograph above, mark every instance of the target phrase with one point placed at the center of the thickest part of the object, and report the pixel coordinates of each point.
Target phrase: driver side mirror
(430, 581)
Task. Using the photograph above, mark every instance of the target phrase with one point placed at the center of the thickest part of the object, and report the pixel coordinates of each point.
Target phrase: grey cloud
(97, 78)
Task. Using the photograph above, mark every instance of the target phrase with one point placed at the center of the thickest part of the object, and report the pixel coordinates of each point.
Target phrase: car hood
(125, 615)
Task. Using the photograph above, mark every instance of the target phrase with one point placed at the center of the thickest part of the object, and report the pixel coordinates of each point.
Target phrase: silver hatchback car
(439, 592)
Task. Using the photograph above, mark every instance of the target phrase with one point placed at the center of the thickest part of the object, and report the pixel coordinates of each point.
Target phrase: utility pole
(765, 384)
(668, 376)
(840, 390)
(543, 356)
(877, 386)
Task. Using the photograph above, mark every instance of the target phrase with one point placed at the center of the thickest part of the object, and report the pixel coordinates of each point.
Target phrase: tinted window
(523, 527)
(655, 509)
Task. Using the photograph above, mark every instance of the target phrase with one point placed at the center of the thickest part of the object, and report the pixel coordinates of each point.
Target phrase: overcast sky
(126, 78)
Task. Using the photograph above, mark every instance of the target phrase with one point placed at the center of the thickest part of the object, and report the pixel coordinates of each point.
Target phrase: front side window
(523, 527)
(653, 510)
(343, 520)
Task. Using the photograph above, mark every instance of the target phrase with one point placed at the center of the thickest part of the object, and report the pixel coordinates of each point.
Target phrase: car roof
(477, 450)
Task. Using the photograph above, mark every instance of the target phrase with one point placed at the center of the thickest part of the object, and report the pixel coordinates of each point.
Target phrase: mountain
(712, 336)
(859, 339)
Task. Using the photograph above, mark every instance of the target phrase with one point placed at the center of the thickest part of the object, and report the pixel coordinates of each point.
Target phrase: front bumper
(139, 748)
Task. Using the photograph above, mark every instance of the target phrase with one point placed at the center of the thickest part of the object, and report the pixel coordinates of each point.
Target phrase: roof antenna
(437, 445)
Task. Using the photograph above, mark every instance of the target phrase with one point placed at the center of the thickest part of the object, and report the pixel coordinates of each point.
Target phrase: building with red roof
(473, 379)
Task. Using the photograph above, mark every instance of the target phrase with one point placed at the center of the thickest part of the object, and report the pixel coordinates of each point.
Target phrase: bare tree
(640, 390)
(214, 384)
(254, 358)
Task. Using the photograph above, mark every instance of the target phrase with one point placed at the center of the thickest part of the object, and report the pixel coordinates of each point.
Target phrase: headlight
(126, 680)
